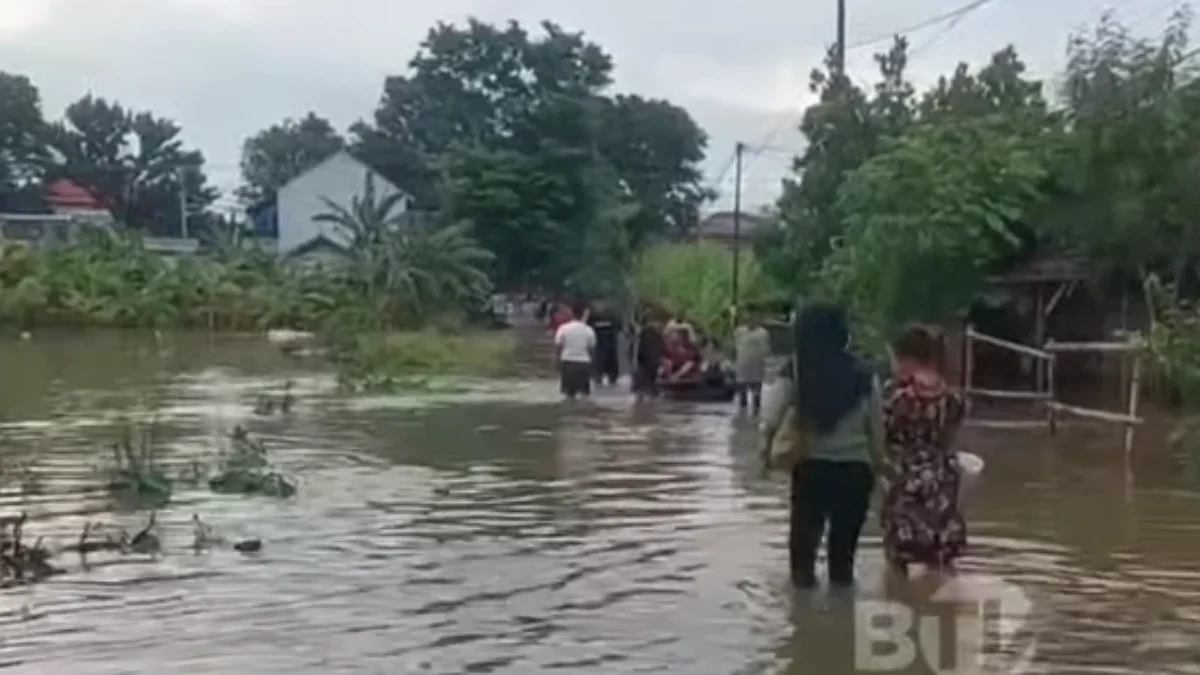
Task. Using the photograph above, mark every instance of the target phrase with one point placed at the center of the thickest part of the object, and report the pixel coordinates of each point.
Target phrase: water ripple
(494, 530)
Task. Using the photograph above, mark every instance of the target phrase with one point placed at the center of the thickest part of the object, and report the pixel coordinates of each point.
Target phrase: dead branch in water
(20, 564)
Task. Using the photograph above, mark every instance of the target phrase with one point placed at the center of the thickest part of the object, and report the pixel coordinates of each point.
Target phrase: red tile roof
(67, 194)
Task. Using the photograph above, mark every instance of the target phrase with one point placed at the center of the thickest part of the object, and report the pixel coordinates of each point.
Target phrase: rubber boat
(711, 391)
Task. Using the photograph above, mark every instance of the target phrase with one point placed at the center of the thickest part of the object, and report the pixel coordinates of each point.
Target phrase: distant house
(719, 228)
(72, 209)
(67, 198)
(287, 217)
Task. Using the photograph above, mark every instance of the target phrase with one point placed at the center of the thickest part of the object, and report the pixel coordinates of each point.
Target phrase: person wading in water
(649, 351)
(922, 522)
(836, 408)
(607, 327)
(575, 351)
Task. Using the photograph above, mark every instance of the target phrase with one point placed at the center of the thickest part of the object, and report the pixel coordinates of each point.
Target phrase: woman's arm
(877, 431)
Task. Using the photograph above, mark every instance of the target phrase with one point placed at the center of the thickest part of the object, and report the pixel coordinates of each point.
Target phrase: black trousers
(607, 364)
(833, 494)
(749, 393)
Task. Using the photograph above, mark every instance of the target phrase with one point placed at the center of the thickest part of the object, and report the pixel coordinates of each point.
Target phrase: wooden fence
(1043, 393)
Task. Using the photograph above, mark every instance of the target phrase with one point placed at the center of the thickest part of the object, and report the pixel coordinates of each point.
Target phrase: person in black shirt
(649, 352)
(607, 328)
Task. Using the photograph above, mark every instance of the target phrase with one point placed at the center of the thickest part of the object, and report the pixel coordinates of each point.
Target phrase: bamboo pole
(1051, 413)
(1057, 347)
(1092, 413)
(968, 368)
(1135, 385)
(1005, 344)
(1006, 424)
(1018, 394)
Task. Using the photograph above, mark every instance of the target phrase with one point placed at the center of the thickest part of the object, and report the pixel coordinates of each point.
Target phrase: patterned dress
(921, 519)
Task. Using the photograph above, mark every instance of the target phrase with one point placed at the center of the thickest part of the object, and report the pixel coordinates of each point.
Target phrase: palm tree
(406, 270)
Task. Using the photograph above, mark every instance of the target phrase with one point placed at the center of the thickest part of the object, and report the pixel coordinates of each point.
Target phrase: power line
(920, 25)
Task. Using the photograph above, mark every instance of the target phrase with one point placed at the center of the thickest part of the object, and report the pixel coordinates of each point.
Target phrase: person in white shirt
(575, 350)
(751, 348)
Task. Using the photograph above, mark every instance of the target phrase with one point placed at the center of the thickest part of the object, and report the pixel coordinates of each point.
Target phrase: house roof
(64, 193)
(1046, 268)
(272, 199)
(317, 243)
(380, 180)
(720, 225)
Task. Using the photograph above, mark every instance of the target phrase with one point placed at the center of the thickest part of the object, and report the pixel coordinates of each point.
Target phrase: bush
(381, 361)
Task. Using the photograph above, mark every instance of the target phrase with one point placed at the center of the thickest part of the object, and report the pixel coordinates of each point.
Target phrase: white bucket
(971, 466)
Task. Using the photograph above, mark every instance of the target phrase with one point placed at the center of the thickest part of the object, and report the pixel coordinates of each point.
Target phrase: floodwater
(496, 530)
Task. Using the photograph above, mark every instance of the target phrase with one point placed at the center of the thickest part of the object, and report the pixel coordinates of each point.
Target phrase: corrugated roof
(720, 224)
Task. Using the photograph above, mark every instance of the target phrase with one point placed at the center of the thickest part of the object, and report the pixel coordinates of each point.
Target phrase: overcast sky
(226, 68)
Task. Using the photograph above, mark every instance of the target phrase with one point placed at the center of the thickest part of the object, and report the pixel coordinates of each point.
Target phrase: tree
(279, 153)
(930, 216)
(1132, 108)
(512, 132)
(22, 144)
(133, 162)
(476, 85)
(515, 207)
(656, 148)
(844, 129)
(406, 273)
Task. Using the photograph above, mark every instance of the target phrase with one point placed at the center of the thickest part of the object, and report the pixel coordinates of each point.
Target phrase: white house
(289, 217)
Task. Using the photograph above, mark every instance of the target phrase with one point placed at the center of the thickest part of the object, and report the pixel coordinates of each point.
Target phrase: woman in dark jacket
(837, 405)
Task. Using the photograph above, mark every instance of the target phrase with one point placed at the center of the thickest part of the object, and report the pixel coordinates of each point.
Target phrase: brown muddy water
(496, 530)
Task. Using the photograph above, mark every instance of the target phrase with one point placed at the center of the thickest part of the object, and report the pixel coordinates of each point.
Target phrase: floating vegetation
(134, 470)
(380, 383)
(246, 470)
(21, 564)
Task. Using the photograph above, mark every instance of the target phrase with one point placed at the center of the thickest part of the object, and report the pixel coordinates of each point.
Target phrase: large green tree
(279, 153)
(904, 200)
(512, 131)
(1133, 107)
(655, 148)
(22, 144)
(134, 162)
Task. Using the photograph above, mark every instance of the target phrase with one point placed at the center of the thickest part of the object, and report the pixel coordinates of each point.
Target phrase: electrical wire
(921, 25)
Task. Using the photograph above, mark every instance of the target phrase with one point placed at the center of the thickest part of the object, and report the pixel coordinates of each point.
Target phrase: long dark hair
(830, 382)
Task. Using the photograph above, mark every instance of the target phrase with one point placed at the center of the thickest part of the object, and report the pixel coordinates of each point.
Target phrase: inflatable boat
(714, 392)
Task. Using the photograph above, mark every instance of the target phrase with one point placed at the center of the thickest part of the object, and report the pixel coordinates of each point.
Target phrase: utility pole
(183, 204)
(738, 151)
(841, 37)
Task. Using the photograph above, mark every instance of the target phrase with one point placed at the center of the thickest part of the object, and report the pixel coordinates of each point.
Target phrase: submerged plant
(246, 470)
(21, 564)
(135, 469)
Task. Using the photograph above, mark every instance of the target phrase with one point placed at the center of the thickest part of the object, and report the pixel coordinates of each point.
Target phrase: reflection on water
(499, 531)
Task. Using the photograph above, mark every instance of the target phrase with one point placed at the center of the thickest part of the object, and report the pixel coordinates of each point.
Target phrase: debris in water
(245, 470)
(145, 541)
(248, 546)
(203, 534)
(20, 564)
(266, 405)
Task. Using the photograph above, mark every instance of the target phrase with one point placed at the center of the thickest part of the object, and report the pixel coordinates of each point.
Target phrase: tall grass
(696, 280)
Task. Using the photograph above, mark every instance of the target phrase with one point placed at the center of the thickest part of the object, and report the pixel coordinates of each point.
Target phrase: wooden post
(1039, 335)
(968, 367)
(1051, 413)
(1135, 385)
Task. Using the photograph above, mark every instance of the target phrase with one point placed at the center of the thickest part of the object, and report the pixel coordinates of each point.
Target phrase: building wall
(339, 179)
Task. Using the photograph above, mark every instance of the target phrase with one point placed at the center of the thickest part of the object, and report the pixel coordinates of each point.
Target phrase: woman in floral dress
(922, 523)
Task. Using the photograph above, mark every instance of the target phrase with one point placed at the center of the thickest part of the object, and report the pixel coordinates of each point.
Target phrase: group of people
(861, 432)
(671, 354)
